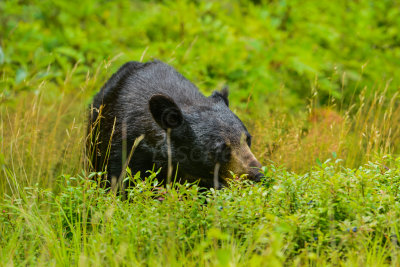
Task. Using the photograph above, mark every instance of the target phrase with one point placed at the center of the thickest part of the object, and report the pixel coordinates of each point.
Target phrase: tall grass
(362, 131)
(328, 216)
(43, 131)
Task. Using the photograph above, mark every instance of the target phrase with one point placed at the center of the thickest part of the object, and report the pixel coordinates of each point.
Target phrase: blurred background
(314, 80)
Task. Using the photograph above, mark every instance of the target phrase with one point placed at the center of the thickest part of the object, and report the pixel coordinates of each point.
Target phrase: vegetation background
(315, 81)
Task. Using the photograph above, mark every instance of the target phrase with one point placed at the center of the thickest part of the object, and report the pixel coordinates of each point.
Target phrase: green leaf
(20, 75)
(70, 52)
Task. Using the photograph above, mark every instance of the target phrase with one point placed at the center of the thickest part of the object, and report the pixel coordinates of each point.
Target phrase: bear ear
(223, 94)
(165, 111)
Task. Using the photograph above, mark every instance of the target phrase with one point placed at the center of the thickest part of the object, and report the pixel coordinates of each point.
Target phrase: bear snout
(254, 172)
(256, 177)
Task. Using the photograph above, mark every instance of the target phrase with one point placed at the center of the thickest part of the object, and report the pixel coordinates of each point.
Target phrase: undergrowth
(315, 82)
(330, 215)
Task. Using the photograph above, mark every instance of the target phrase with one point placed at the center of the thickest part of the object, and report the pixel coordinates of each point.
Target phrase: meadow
(314, 81)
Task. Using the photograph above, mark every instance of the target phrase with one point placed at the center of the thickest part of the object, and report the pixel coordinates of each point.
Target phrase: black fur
(146, 99)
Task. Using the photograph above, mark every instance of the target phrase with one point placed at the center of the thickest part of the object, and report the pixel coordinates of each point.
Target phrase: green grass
(315, 82)
(330, 215)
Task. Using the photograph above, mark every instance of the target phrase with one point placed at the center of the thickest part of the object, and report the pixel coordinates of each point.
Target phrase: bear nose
(257, 177)
(254, 173)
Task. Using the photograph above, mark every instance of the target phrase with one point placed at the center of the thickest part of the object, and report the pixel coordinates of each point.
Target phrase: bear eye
(245, 137)
(248, 140)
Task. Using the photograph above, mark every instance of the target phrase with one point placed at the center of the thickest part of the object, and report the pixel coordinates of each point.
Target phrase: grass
(323, 110)
(330, 215)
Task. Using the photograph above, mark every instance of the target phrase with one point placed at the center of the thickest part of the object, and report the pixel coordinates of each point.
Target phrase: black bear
(185, 133)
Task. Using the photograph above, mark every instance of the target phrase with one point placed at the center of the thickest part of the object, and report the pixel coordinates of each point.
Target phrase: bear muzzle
(244, 162)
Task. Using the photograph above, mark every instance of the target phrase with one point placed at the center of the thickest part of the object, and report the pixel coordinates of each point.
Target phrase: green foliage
(322, 217)
(311, 79)
(272, 49)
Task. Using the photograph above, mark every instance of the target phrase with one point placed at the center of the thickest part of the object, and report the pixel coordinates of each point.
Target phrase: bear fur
(154, 102)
